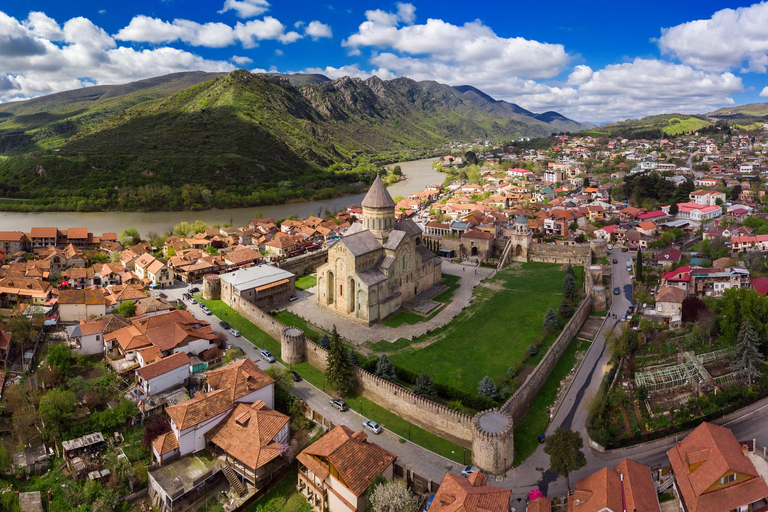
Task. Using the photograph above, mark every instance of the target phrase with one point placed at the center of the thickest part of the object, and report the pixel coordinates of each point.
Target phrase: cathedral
(378, 265)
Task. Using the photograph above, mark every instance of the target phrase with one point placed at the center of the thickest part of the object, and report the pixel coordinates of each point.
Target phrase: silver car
(468, 470)
(372, 426)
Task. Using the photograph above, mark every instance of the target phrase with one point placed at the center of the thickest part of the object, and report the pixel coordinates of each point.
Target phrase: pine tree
(569, 271)
(565, 309)
(385, 369)
(424, 386)
(325, 342)
(353, 359)
(487, 388)
(569, 286)
(340, 374)
(639, 267)
(747, 355)
(550, 320)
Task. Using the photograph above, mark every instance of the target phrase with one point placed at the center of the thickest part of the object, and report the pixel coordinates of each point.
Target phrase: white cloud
(472, 45)
(764, 92)
(727, 40)
(581, 74)
(316, 30)
(241, 60)
(279, 52)
(143, 29)
(353, 71)
(78, 54)
(246, 8)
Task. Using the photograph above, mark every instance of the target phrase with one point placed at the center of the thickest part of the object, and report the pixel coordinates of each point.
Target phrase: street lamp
(409, 431)
(323, 384)
(464, 457)
(361, 407)
(505, 467)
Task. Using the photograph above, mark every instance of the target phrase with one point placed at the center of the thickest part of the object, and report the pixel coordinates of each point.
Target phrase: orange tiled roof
(241, 378)
(473, 494)
(201, 408)
(248, 434)
(357, 460)
(87, 296)
(165, 443)
(164, 365)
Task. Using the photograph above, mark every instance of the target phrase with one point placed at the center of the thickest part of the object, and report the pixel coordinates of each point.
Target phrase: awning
(272, 285)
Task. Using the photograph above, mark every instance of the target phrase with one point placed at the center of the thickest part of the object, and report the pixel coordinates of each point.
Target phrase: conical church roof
(377, 196)
(521, 220)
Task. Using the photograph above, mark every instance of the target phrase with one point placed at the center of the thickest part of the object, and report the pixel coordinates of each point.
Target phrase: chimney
(745, 449)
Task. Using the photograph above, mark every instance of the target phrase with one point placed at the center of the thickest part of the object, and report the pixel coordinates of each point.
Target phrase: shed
(31, 501)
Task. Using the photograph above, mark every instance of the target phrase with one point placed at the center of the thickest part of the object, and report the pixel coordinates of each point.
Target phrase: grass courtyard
(305, 282)
(506, 315)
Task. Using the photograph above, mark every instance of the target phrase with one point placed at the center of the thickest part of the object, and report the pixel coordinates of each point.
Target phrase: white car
(372, 426)
(235, 333)
(266, 355)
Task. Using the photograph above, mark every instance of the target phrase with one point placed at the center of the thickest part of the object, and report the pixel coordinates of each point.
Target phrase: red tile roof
(241, 378)
(165, 443)
(473, 494)
(164, 365)
(201, 408)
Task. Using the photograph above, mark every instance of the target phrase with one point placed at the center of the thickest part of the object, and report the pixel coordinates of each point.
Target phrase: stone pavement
(307, 308)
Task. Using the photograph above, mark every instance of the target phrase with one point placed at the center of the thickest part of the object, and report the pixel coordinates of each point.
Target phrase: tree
(60, 358)
(354, 360)
(393, 496)
(424, 387)
(641, 393)
(283, 388)
(78, 385)
(340, 374)
(157, 426)
(132, 234)
(565, 455)
(639, 266)
(487, 388)
(127, 308)
(385, 369)
(5, 459)
(565, 309)
(325, 342)
(57, 408)
(622, 344)
(692, 308)
(170, 252)
(673, 209)
(747, 354)
(569, 283)
(550, 319)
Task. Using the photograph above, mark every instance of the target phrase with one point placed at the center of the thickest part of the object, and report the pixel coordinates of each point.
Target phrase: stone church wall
(304, 264)
(518, 403)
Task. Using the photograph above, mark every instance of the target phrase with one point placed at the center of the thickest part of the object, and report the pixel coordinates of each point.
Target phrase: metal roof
(253, 277)
(377, 196)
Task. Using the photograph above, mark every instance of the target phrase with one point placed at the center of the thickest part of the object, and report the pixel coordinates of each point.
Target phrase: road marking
(745, 415)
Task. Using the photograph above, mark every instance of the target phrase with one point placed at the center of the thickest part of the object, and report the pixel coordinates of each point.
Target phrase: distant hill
(198, 140)
(654, 126)
(744, 111)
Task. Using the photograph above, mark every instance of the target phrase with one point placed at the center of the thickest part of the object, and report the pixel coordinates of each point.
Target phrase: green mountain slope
(654, 126)
(196, 140)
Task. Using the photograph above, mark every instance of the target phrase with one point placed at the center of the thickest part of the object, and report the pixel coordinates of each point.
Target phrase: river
(418, 173)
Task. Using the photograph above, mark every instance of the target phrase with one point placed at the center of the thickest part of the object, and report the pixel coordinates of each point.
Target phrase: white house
(706, 197)
(87, 337)
(163, 374)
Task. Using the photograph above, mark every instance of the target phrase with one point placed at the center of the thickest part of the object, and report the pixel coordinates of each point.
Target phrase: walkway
(306, 307)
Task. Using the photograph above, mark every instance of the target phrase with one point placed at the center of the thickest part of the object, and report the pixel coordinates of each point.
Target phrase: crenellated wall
(576, 255)
(518, 403)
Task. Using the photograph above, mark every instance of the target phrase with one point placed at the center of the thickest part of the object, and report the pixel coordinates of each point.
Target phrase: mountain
(194, 140)
(654, 126)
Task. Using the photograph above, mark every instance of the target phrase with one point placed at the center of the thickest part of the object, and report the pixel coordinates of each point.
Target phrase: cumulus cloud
(246, 8)
(352, 70)
(241, 60)
(78, 54)
(466, 47)
(764, 92)
(730, 39)
(143, 29)
(316, 30)
(581, 74)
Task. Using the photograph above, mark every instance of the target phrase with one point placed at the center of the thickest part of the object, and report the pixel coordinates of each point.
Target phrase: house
(540, 504)
(263, 285)
(714, 281)
(459, 494)
(30, 501)
(153, 271)
(760, 285)
(77, 305)
(706, 197)
(34, 460)
(14, 241)
(15, 288)
(669, 257)
(669, 302)
(253, 439)
(713, 473)
(166, 373)
(246, 382)
(695, 212)
(336, 470)
(627, 487)
(151, 306)
(679, 278)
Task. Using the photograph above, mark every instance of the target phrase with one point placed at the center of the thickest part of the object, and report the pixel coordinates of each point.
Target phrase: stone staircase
(234, 482)
(505, 255)
(665, 484)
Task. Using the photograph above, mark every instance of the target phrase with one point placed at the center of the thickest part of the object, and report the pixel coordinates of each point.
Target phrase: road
(424, 462)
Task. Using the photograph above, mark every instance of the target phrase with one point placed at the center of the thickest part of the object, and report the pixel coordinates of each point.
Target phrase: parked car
(623, 318)
(187, 296)
(615, 261)
(624, 249)
(338, 403)
(468, 470)
(161, 294)
(630, 310)
(224, 324)
(296, 376)
(610, 247)
(616, 291)
(193, 301)
(266, 355)
(372, 426)
(293, 298)
(207, 311)
(194, 290)
(428, 503)
(235, 333)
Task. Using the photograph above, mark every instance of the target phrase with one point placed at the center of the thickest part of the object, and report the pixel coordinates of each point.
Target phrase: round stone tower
(599, 247)
(212, 287)
(293, 345)
(599, 301)
(378, 209)
(493, 449)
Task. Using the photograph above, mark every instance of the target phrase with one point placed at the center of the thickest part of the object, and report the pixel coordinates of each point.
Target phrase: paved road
(422, 461)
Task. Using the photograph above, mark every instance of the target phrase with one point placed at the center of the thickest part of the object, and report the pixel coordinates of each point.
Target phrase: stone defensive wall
(577, 255)
(304, 264)
(518, 403)
(261, 319)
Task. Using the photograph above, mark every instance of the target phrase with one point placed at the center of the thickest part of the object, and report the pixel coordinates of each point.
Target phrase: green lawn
(535, 421)
(283, 497)
(452, 282)
(314, 376)
(304, 282)
(293, 320)
(487, 337)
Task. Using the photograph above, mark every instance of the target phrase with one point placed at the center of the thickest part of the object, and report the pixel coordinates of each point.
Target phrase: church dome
(377, 196)
(521, 220)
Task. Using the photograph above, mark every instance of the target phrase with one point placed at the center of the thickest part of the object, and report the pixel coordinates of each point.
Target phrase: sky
(594, 61)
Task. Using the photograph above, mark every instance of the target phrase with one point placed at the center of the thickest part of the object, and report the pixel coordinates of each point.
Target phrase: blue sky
(596, 61)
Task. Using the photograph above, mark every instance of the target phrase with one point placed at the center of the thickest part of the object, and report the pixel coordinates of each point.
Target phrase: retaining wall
(518, 403)
(258, 317)
(577, 255)
(304, 264)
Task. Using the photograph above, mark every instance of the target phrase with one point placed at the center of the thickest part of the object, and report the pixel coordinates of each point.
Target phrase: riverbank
(418, 173)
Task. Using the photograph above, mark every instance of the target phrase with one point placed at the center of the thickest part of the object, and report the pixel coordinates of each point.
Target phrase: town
(576, 327)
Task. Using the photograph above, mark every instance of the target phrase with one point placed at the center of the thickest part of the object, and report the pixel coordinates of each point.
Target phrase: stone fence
(576, 255)
(262, 320)
(518, 403)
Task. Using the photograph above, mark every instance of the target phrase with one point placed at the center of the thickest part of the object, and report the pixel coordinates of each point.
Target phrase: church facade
(378, 265)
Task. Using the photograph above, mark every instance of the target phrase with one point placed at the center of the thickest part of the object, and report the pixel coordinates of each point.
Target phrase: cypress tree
(747, 354)
(325, 342)
(340, 374)
(639, 266)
